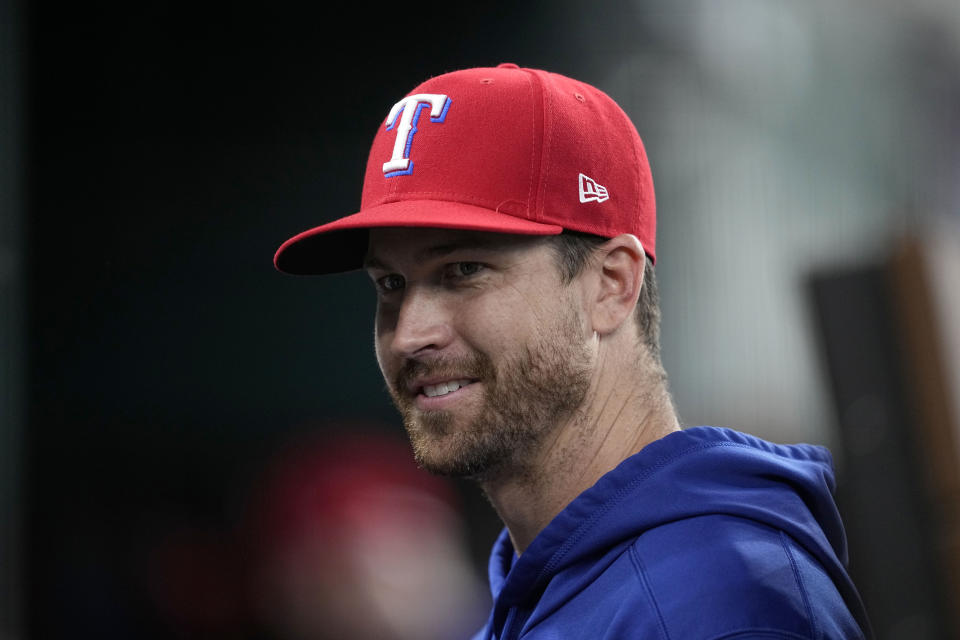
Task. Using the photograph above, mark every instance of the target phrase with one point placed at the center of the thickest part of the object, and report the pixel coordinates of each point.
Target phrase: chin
(448, 451)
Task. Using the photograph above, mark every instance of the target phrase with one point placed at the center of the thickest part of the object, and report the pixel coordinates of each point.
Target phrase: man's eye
(392, 282)
(463, 269)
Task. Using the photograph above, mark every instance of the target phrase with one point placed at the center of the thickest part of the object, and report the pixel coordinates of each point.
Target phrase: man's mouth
(443, 388)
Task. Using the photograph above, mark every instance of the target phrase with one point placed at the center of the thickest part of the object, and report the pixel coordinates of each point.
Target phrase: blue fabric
(707, 533)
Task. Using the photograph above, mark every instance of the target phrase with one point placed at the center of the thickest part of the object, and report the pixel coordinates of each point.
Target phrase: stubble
(526, 398)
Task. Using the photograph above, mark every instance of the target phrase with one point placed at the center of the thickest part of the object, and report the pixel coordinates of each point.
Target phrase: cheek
(495, 324)
(381, 342)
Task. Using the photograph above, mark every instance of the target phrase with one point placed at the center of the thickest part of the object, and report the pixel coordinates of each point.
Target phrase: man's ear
(619, 263)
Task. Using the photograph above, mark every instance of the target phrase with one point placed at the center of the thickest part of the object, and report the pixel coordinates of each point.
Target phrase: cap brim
(341, 245)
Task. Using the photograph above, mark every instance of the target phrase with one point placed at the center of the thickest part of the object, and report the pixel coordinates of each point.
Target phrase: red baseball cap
(506, 150)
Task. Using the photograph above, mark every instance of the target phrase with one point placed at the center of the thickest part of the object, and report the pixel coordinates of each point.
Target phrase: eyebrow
(371, 262)
(436, 251)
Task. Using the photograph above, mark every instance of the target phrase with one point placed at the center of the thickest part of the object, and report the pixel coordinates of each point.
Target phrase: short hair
(574, 248)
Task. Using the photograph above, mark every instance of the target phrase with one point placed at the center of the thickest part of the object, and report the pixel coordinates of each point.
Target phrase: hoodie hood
(694, 472)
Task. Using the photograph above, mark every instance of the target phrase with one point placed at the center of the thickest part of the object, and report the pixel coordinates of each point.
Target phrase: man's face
(484, 351)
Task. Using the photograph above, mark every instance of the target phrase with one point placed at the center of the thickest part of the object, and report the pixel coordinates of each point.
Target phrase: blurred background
(161, 385)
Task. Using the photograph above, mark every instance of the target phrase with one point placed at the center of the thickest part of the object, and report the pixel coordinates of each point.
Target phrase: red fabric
(506, 158)
(327, 486)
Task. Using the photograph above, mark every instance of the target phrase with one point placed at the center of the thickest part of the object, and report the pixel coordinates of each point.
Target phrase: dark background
(158, 153)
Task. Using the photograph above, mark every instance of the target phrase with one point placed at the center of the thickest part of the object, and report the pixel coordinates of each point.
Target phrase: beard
(526, 398)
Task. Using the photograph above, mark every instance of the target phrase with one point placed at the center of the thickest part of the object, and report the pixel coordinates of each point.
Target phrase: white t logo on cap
(400, 163)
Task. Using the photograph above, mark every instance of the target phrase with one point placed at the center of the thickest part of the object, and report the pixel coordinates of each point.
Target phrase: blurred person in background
(349, 539)
(508, 225)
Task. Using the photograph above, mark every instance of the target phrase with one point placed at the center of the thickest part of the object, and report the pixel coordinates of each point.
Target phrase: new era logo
(590, 191)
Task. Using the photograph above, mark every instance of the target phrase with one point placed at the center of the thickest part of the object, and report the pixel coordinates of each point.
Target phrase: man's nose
(423, 324)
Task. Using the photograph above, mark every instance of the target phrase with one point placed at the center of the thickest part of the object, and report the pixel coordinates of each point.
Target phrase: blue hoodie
(707, 533)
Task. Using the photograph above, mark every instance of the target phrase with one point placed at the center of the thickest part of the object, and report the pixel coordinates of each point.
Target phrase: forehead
(389, 244)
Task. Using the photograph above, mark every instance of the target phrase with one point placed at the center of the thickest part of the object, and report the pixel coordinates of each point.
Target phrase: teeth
(443, 388)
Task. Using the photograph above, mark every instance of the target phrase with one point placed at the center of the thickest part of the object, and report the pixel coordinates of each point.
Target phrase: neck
(626, 408)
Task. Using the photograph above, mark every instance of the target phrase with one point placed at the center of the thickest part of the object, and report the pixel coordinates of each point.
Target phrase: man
(508, 224)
